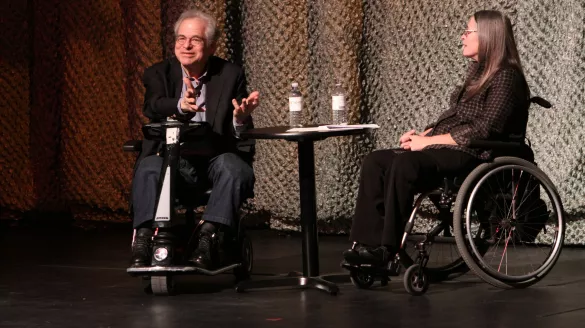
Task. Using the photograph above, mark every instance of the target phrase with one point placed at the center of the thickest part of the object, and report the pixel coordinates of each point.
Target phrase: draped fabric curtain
(71, 91)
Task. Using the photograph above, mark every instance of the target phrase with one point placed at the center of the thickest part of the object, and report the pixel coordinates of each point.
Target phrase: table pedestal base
(290, 280)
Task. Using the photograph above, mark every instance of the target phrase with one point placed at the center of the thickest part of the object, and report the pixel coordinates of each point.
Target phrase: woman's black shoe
(351, 256)
(361, 254)
(376, 256)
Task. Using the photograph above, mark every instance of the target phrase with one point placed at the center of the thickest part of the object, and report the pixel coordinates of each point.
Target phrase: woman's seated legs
(369, 211)
(388, 183)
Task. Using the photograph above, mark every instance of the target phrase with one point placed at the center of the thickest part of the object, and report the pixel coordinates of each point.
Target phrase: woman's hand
(422, 134)
(418, 142)
(405, 139)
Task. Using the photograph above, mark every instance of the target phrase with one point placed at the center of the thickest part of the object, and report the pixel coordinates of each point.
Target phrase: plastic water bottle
(295, 106)
(338, 105)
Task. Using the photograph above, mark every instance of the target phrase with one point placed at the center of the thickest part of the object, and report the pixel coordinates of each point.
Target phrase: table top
(279, 132)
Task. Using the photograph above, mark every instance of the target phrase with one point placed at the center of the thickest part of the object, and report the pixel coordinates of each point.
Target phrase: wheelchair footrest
(387, 270)
(177, 269)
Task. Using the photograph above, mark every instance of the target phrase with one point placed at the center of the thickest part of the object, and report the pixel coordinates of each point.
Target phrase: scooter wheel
(416, 281)
(361, 279)
(146, 286)
(162, 285)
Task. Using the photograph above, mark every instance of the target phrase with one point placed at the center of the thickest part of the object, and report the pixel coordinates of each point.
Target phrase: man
(195, 85)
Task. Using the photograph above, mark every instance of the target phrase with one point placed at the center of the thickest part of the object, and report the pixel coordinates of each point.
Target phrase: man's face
(191, 44)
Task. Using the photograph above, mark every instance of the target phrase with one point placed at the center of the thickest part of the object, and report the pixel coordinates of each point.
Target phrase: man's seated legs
(144, 186)
(232, 181)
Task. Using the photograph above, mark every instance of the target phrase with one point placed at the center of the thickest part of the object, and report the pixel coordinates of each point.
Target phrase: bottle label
(295, 104)
(338, 102)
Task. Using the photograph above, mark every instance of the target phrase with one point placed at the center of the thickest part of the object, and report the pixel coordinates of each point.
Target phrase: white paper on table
(334, 127)
(353, 126)
(309, 129)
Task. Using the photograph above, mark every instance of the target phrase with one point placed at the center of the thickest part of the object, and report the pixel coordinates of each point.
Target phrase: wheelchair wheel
(361, 279)
(444, 261)
(162, 285)
(246, 259)
(512, 208)
(416, 280)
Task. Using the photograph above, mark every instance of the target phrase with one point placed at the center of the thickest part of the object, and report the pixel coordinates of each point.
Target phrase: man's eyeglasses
(467, 32)
(197, 41)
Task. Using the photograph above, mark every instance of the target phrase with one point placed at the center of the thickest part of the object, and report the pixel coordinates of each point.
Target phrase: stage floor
(75, 278)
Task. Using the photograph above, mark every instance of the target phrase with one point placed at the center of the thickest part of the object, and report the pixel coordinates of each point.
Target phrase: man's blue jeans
(231, 178)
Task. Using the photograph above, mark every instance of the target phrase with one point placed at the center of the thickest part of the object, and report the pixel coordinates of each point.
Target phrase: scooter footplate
(178, 269)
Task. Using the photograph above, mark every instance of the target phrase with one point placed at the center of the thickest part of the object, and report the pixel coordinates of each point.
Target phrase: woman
(492, 104)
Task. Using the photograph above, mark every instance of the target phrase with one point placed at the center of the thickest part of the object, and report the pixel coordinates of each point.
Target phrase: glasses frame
(194, 40)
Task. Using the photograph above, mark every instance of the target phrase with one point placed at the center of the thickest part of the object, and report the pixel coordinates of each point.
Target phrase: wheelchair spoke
(492, 194)
(514, 194)
(495, 250)
(503, 191)
(525, 198)
(505, 254)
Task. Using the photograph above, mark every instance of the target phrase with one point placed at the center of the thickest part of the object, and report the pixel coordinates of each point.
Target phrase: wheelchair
(504, 221)
(174, 223)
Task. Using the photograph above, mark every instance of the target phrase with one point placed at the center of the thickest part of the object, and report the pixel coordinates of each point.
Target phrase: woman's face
(471, 40)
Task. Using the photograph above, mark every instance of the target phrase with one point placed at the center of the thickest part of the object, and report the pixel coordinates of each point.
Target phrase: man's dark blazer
(226, 81)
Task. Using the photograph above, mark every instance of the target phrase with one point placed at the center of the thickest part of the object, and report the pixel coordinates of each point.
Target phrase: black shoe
(201, 257)
(352, 256)
(376, 256)
(361, 254)
(141, 248)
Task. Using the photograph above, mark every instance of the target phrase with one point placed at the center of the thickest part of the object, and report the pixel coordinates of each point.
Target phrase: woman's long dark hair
(497, 49)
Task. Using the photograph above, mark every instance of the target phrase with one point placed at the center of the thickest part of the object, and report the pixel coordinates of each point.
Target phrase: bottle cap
(295, 85)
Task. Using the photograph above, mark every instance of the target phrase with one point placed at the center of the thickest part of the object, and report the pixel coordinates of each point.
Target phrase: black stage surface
(65, 276)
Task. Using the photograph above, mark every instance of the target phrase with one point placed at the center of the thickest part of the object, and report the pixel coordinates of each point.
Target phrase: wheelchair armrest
(541, 102)
(496, 145)
(132, 146)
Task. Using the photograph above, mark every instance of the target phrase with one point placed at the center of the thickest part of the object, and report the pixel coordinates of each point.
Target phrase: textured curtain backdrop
(70, 75)
(16, 190)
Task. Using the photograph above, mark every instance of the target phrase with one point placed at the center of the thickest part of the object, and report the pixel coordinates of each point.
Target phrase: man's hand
(189, 100)
(243, 110)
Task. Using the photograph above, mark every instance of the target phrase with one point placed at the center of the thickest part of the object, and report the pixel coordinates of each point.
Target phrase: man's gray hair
(211, 32)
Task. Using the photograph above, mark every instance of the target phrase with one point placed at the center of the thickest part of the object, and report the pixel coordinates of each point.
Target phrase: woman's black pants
(389, 181)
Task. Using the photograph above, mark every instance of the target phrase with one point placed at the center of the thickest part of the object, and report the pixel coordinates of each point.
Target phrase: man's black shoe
(201, 257)
(141, 248)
